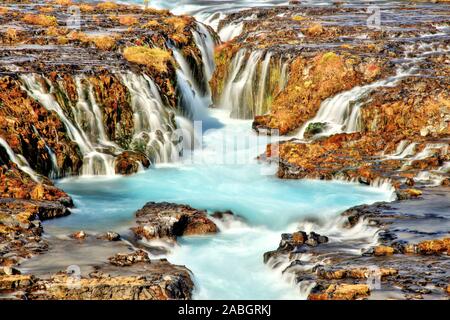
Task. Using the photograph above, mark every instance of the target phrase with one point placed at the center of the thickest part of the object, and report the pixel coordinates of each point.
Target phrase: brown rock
(80, 235)
(129, 162)
(383, 251)
(342, 292)
(169, 220)
(433, 246)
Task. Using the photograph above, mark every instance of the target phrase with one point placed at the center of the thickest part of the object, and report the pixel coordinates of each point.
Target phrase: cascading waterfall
(249, 87)
(341, 113)
(84, 129)
(20, 161)
(193, 100)
(154, 125)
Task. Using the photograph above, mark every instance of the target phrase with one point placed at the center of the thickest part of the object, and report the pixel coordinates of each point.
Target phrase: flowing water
(220, 174)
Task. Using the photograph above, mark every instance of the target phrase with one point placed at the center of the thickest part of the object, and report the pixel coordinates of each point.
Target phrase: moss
(107, 6)
(103, 42)
(40, 19)
(151, 57)
(128, 20)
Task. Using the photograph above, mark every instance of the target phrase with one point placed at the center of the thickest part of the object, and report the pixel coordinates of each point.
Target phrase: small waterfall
(231, 31)
(341, 113)
(252, 82)
(86, 129)
(20, 161)
(404, 149)
(206, 44)
(154, 125)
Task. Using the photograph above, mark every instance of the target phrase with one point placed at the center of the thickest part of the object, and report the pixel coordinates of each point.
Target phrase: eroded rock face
(169, 221)
(21, 229)
(130, 162)
(129, 277)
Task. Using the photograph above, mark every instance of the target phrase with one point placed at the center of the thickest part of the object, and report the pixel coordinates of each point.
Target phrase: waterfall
(252, 83)
(403, 150)
(154, 125)
(341, 113)
(231, 31)
(206, 44)
(20, 161)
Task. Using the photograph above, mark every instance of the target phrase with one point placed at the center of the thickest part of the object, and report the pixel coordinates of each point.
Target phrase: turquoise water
(230, 264)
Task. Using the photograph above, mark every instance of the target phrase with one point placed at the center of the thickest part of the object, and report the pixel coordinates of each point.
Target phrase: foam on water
(222, 177)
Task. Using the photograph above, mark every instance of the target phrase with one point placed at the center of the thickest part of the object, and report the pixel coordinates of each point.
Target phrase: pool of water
(223, 175)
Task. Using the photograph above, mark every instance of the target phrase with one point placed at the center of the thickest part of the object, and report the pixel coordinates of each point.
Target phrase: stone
(383, 251)
(79, 235)
(429, 247)
(109, 236)
(342, 291)
(128, 259)
(169, 220)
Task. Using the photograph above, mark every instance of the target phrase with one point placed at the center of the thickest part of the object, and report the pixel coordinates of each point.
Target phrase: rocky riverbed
(358, 102)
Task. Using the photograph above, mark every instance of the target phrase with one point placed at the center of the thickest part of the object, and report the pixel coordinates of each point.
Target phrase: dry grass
(152, 24)
(128, 20)
(152, 57)
(298, 18)
(46, 9)
(78, 36)
(40, 20)
(11, 34)
(103, 42)
(178, 23)
(63, 2)
(86, 8)
(3, 10)
(107, 6)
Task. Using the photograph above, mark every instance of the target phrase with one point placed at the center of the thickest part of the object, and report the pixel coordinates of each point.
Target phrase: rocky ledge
(396, 250)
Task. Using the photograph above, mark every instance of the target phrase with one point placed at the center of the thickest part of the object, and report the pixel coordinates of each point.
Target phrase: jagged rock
(79, 235)
(342, 292)
(169, 220)
(128, 259)
(383, 251)
(130, 162)
(110, 236)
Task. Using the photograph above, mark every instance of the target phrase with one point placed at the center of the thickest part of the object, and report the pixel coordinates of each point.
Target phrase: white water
(20, 161)
(223, 175)
(341, 113)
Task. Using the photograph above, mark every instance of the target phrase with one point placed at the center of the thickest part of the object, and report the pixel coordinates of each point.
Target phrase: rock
(433, 246)
(383, 251)
(10, 271)
(129, 162)
(448, 289)
(16, 282)
(128, 259)
(169, 220)
(222, 215)
(299, 237)
(79, 235)
(109, 236)
(408, 194)
(314, 128)
(342, 292)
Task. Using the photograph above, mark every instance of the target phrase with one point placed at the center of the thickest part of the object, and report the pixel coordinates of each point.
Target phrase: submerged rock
(170, 220)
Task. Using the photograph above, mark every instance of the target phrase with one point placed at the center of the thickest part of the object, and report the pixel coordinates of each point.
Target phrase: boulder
(170, 220)
(129, 162)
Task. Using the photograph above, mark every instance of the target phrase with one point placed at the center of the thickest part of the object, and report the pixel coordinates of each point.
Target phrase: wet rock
(383, 251)
(79, 235)
(15, 282)
(130, 162)
(169, 220)
(314, 128)
(128, 259)
(10, 271)
(434, 246)
(342, 292)
(109, 236)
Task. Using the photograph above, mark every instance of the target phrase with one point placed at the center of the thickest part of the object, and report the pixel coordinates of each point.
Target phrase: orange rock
(342, 292)
(433, 246)
(383, 251)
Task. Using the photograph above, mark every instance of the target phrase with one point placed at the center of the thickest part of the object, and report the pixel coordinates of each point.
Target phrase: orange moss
(40, 19)
(103, 42)
(151, 57)
(3, 10)
(86, 8)
(107, 6)
(128, 20)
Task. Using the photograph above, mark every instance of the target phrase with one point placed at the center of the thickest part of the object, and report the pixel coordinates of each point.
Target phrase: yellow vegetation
(11, 34)
(315, 29)
(86, 8)
(103, 42)
(128, 20)
(63, 2)
(152, 57)
(298, 18)
(3, 10)
(178, 23)
(40, 19)
(107, 6)
(46, 9)
(151, 24)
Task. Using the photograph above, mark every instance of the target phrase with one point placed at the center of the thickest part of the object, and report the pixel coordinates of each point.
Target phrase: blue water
(230, 264)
